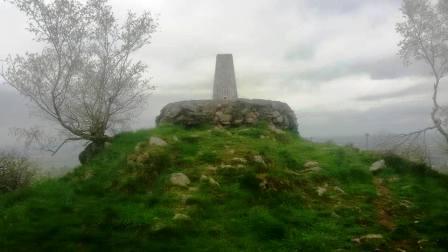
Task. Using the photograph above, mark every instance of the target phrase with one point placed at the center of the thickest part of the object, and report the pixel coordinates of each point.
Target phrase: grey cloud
(422, 89)
(386, 68)
(392, 68)
(346, 6)
(392, 118)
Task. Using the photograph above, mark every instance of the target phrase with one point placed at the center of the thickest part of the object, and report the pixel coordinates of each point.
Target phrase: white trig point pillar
(224, 86)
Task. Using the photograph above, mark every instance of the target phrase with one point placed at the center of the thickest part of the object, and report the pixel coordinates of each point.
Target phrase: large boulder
(229, 113)
(90, 152)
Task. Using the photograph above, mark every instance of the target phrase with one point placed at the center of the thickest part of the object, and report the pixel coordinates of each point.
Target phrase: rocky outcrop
(377, 166)
(90, 152)
(229, 113)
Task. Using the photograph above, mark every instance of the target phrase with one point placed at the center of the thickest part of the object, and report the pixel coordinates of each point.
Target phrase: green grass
(122, 200)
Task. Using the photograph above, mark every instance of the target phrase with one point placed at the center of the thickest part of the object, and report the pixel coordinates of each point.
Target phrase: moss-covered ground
(123, 199)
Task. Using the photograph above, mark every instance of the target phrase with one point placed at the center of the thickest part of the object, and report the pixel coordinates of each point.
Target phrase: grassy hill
(252, 189)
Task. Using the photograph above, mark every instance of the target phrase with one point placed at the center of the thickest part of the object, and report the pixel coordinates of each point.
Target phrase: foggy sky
(333, 61)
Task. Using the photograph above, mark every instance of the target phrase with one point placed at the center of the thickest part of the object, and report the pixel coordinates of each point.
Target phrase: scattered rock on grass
(259, 159)
(367, 238)
(239, 160)
(321, 190)
(378, 165)
(276, 130)
(181, 217)
(371, 237)
(337, 188)
(311, 164)
(193, 189)
(212, 168)
(209, 180)
(157, 141)
(179, 179)
(225, 166)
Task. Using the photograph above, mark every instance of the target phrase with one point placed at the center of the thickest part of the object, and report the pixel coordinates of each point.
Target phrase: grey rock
(181, 217)
(229, 113)
(259, 159)
(212, 168)
(157, 141)
(371, 237)
(378, 165)
(209, 180)
(90, 152)
(276, 130)
(311, 164)
(321, 190)
(239, 160)
(179, 179)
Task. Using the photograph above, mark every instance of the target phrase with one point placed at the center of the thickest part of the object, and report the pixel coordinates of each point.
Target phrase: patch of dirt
(383, 205)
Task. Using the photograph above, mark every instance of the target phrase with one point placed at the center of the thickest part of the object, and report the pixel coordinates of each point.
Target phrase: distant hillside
(239, 189)
(376, 142)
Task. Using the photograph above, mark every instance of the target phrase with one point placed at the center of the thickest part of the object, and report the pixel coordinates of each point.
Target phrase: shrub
(16, 171)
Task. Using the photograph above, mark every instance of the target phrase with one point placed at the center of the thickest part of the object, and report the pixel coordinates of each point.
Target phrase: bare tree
(84, 78)
(425, 37)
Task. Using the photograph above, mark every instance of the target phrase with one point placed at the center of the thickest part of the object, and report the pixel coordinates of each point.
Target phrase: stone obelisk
(224, 86)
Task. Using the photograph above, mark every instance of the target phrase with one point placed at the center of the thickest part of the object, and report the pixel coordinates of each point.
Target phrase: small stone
(209, 180)
(204, 178)
(239, 160)
(377, 166)
(157, 141)
(263, 180)
(311, 164)
(175, 139)
(225, 166)
(179, 179)
(193, 189)
(212, 168)
(371, 237)
(259, 159)
(276, 130)
(337, 188)
(315, 169)
(240, 166)
(158, 226)
(356, 240)
(213, 182)
(251, 118)
(321, 190)
(223, 118)
(181, 217)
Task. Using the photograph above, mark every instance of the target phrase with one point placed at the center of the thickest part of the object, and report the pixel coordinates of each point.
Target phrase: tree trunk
(437, 121)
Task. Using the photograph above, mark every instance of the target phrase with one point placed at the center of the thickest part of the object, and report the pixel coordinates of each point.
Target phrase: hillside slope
(251, 189)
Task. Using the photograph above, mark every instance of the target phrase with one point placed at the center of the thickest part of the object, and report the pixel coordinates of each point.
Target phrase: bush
(16, 171)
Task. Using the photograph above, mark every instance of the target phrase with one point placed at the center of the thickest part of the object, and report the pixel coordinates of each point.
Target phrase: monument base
(229, 113)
